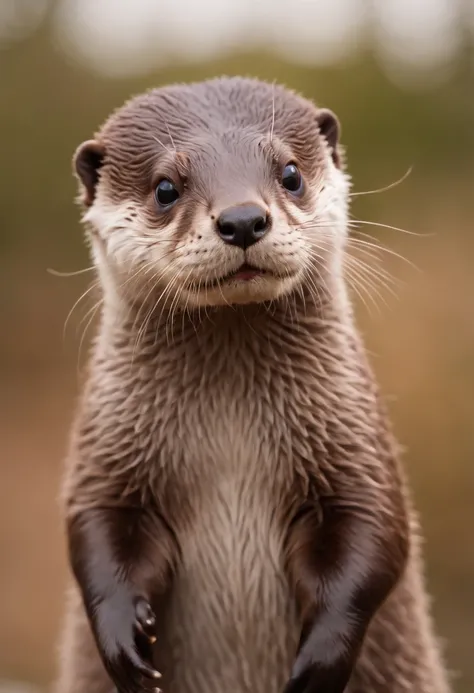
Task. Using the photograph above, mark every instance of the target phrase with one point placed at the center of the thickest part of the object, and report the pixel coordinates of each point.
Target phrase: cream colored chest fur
(231, 620)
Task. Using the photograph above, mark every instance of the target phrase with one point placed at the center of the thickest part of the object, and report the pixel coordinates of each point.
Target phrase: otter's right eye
(166, 193)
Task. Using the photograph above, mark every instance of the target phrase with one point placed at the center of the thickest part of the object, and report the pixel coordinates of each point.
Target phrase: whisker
(386, 187)
(169, 134)
(302, 296)
(380, 271)
(354, 222)
(175, 303)
(308, 225)
(290, 307)
(319, 260)
(185, 309)
(273, 113)
(361, 275)
(356, 277)
(384, 249)
(87, 314)
(163, 294)
(57, 273)
(384, 278)
(91, 312)
(143, 269)
(94, 285)
(356, 287)
(314, 290)
(169, 288)
(369, 273)
(160, 142)
(220, 289)
(368, 281)
(142, 330)
(154, 283)
(84, 332)
(205, 305)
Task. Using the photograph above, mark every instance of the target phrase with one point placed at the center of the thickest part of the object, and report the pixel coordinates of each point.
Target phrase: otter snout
(243, 225)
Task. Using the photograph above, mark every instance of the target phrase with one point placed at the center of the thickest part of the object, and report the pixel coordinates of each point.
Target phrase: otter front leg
(344, 566)
(120, 558)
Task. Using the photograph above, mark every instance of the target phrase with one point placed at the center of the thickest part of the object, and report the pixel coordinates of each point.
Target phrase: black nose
(242, 225)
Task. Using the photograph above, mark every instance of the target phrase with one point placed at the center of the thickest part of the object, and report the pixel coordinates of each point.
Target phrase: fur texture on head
(222, 144)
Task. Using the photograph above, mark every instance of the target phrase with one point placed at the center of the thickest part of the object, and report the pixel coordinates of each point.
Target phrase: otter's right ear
(330, 129)
(88, 160)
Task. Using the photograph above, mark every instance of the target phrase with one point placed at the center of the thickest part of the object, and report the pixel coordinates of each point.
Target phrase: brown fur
(232, 464)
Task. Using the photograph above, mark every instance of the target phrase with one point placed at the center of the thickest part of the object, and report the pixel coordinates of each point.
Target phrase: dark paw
(319, 679)
(316, 673)
(125, 630)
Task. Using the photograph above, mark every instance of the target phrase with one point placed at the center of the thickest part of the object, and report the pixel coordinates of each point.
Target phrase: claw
(145, 613)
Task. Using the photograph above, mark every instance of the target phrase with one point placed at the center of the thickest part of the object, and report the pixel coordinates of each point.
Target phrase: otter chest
(231, 618)
(231, 428)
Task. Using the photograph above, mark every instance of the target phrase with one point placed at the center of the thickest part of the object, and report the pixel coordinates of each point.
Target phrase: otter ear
(330, 129)
(87, 161)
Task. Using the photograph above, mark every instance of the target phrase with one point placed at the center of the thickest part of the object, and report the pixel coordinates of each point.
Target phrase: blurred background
(400, 75)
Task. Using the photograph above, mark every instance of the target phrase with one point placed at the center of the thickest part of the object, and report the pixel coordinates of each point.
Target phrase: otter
(237, 515)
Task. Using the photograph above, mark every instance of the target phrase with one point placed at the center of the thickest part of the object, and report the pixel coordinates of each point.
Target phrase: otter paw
(124, 627)
(320, 676)
(318, 681)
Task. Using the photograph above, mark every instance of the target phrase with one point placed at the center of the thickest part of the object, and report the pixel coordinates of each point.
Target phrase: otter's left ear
(330, 129)
(88, 160)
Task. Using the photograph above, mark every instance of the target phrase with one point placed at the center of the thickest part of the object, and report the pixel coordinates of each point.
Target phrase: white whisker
(367, 282)
(386, 187)
(94, 285)
(160, 142)
(57, 273)
(355, 222)
(367, 274)
(170, 135)
(92, 313)
(356, 287)
(273, 113)
(384, 249)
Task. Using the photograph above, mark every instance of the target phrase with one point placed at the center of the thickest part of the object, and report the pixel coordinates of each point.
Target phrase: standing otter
(237, 518)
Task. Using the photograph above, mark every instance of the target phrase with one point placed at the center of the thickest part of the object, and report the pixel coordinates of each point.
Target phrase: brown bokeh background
(421, 340)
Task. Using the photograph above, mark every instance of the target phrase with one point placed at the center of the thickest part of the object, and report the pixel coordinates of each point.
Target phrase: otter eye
(166, 193)
(291, 179)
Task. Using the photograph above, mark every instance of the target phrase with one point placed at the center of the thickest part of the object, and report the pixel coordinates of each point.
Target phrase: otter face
(225, 192)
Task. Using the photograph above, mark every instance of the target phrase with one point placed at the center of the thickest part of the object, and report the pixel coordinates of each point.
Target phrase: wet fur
(243, 450)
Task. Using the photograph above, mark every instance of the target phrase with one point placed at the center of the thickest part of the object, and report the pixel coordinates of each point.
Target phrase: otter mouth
(244, 273)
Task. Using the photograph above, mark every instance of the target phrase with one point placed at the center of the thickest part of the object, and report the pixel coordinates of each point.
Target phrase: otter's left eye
(291, 179)
(166, 193)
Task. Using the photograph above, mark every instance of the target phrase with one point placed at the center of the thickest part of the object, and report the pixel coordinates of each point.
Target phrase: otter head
(229, 191)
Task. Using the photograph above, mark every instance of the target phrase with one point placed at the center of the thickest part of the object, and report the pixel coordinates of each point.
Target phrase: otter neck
(141, 334)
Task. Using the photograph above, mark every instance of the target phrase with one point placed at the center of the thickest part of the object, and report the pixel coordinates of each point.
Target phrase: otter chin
(237, 515)
(247, 284)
